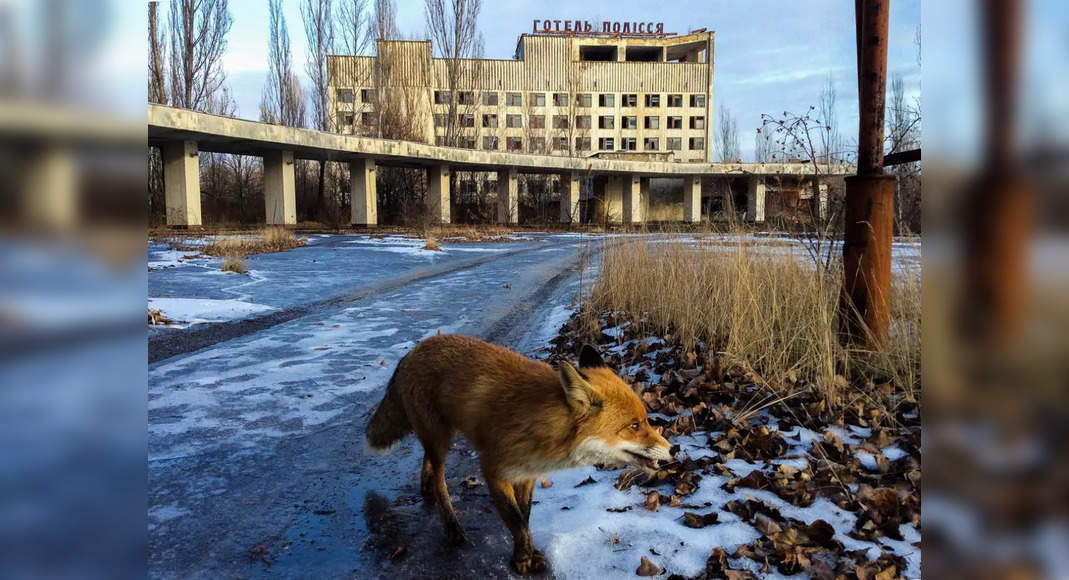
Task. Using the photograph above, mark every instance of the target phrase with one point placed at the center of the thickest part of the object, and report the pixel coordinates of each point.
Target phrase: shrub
(234, 264)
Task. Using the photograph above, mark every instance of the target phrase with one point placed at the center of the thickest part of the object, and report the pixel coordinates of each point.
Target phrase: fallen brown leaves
(691, 394)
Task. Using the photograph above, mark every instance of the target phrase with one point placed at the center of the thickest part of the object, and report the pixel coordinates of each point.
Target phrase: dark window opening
(597, 53)
(644, 53)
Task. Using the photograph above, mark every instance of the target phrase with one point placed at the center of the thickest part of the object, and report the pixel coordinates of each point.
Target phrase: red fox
(524, 419)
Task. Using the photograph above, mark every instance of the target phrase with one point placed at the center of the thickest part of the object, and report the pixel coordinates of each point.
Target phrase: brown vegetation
(234, 264)
(265, 241)
(766, 314)
(156, 317)
(432, 243)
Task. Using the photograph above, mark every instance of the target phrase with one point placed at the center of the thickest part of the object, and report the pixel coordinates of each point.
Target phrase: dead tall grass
(267, 240)
(769, 315)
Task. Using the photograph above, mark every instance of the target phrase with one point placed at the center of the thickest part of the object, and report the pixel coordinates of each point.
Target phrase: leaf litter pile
(861, 463)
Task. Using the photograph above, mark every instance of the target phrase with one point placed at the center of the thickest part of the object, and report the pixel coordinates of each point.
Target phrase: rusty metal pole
(1001, 211)
(869, 215)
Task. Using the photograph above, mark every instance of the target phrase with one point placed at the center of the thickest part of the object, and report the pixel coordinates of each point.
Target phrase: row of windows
(348, 96)
(538, 144)
(561, 99)
(492, 121)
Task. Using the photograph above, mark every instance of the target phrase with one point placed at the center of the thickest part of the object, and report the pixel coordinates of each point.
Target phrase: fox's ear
(589, 358)
(581, 396)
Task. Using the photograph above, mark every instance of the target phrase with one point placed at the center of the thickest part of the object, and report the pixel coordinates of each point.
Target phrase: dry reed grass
(431, 243)
(267, 240)
(767, 314)
(234, 264)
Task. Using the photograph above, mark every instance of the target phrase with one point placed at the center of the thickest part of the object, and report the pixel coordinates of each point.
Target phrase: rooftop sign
(606, 27)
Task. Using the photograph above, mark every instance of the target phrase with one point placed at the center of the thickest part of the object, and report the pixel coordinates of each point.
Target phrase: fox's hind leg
(432, 480)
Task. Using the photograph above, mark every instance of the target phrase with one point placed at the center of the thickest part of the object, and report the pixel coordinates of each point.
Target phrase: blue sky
(770, 55)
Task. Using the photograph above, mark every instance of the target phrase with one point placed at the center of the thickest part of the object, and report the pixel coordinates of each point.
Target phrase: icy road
(256, 461)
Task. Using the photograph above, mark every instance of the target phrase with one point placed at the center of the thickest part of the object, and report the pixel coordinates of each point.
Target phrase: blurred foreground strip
(72, 343)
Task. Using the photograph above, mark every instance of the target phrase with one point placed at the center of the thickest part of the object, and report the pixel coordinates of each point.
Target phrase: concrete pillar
(755, 200)
(364, 196)
(438, 198)
(508, 196)
(692, 199)
(50, 188)
(181, 182)
(279, 191)
(612, 199)
(632, 191)
(822, 201)
(644, 197)
(569, 197)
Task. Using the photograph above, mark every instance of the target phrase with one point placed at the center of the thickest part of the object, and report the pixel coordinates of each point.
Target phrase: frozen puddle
(188, 311)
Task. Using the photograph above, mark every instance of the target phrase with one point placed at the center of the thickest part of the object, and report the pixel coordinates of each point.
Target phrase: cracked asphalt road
(256, 461)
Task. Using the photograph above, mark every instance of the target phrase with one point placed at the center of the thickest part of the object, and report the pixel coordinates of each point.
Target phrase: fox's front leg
(525, 559)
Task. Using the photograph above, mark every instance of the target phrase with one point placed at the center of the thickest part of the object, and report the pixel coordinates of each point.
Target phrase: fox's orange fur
(523, 417)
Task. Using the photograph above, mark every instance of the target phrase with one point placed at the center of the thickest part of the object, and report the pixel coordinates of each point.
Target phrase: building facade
(564, 94)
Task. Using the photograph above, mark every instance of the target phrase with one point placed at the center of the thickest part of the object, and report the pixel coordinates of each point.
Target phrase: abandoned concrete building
(563, 94)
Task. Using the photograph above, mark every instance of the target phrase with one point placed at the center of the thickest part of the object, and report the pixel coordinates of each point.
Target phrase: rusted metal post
(1002, 208)
(869, 215)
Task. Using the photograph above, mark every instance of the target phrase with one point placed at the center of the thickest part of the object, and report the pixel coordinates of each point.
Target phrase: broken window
(697, 143)
(674, 144)
(538, 145)
(514, 121)
(582, 122)
(466, 98)
(560, 143)
(675, 100)
(630, 122)
(606, 144)
(442, 97)
(490, 99)
(537, 99)
(628, 144)
(582, 100)
(675, 122)
(344, 95)
(697, 100)
(514, 144)
(582, 143)
(653, 100)
(606, 122)
(467, 121)
(697, 122)
(513, 99)
(653, 122)
(560, 99)
(560, 121)
(606, 100)
(650, 144)
(369, 95)
(630, 100)
(490, 121)
(537, 121)
(490, 143)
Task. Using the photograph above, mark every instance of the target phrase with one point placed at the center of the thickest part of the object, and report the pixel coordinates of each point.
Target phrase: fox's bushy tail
(389, 424)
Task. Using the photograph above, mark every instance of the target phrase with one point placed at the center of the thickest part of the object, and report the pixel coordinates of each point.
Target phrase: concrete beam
(569, 197)
(508, 196)
(181, 182)
(280, 195)
(755, 200)
(364, 194)
(692, 199)
(632, 192)
(438, 197)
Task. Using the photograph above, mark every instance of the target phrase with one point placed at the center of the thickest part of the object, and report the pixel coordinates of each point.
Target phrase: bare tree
(157, 83)
(385, 20)
(727, 137)
(831, 143)
(319, 31)
(355, 28)
(453, 28)
(762, 146)
(282, 101)
(903, 133)
(197, 34)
